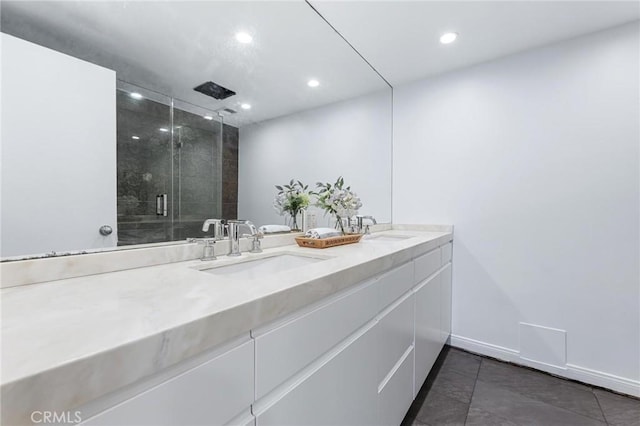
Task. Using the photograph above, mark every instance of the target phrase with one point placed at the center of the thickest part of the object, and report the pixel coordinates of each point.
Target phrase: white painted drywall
(350, 139)
(535, 159)
(58, 151)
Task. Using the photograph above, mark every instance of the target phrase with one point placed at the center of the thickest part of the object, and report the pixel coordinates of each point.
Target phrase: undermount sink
(385, 238)
(256, 268)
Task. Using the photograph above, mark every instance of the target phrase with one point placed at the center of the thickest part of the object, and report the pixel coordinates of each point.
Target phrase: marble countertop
(69, 341)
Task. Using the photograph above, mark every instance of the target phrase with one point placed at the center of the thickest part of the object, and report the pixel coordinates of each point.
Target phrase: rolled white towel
(272, 229)
(322, 233)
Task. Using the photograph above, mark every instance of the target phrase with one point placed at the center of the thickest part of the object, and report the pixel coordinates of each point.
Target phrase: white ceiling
(172, 46)
(401, 38)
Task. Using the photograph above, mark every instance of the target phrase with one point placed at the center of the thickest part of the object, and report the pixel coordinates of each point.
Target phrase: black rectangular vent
(214, 90)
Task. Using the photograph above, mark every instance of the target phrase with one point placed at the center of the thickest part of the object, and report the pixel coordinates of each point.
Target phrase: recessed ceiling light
(313, 83)
(243, 37)
(136, 95)
(448, 38)
(135, 137)
(245, 106)
(163, 129)
(207, 117)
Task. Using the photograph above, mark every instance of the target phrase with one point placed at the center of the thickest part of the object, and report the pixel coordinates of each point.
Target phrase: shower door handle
(161, 204)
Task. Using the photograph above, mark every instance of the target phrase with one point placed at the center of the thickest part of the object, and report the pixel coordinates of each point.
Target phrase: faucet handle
(208, 252)
(255, 242)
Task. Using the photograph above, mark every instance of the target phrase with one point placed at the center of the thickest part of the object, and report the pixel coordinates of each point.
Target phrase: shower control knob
(105, 230)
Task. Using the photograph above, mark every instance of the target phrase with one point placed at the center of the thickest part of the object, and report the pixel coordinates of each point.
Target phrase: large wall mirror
(101, 124)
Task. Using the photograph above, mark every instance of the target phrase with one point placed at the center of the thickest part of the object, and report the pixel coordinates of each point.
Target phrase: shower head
(214, 90)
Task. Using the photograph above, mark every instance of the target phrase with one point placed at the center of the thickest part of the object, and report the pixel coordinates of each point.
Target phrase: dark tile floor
(467, 389)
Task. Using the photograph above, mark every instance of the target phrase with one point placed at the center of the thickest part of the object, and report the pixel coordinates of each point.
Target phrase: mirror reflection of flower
(291, 199)
(337, 200)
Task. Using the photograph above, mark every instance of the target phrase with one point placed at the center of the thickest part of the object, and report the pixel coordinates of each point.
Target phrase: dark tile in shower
(143, 232)
(198, 190)
(229, 192)
(200, 210)
(230, 168)
(230, 210)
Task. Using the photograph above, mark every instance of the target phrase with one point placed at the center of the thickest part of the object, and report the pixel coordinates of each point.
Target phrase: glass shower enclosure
(169, 167)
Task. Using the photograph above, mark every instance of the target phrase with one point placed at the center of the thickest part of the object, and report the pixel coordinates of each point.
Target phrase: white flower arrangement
(291, 199)
(337, 200)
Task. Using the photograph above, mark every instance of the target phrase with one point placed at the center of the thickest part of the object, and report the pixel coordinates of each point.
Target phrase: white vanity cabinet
(212, 393)
(357, 357)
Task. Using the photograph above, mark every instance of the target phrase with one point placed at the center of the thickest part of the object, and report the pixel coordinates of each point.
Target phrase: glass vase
(340, 224)
(294, 221)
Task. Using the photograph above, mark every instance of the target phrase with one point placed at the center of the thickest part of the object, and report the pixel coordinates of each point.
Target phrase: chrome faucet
(218, 228)
(233, 227)
(360, 224)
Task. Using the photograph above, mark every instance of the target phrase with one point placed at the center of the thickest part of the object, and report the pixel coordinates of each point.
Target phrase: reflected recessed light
(136, 95)
(135, 137)
(245, 106)
(313, 83)
(207, 117)
(244, 37)
(448, 38)
(163, 129)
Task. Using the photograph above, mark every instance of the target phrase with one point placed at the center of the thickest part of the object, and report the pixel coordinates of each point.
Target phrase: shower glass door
(197, 167)
(169, 167)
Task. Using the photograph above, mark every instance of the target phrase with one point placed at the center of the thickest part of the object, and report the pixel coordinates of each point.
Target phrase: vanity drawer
(395, 333)
(396, 395)
(283, 351)
(427, 264)
(446, 251)
(211, 393)
(394, 284)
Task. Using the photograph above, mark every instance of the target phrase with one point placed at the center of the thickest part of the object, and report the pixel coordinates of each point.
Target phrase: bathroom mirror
(163, 181)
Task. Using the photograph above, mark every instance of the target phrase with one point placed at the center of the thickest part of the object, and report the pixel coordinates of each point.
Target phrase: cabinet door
(342, 391)
(211, 393)
(427, 328)
(445, 317)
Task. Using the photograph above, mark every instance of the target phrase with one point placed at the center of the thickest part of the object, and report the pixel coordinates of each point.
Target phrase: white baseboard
(483, 348)
(573, 372)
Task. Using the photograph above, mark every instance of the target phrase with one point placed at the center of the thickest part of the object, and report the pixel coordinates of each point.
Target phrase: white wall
(350, 139)
(58, 151)
(535, 160)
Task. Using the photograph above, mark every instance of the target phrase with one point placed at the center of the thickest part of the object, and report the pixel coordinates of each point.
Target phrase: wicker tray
(328, 242)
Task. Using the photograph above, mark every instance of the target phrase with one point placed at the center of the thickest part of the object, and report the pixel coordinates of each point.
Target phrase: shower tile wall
(148, 166)
(230, 172)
